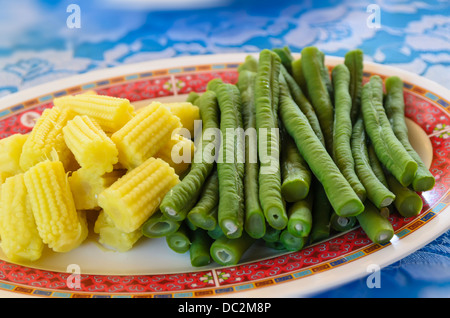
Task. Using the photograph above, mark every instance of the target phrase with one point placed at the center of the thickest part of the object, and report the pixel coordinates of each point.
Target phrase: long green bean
(300, 217)
(389, 150)
(395, 110)
(377, 227)
(229, 251)
(158, 225)
(312, 60)
(377, 192)
(354, 60)
(342, 133)
(407, 202)
(199, 250)
(341, 195)
(321, 214)
(292, 243)
(182, 197)
(266, 96)
(342, 224)
(179, 241)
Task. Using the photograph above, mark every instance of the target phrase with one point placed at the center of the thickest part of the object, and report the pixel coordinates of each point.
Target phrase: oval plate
(151, 269)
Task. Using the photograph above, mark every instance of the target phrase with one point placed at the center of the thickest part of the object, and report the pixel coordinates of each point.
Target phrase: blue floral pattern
(37, 46)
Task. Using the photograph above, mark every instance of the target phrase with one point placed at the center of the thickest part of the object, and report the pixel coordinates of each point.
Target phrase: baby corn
(187, 112)
(46, 137)
(143, 136)
(92, 148)
(178, 152)
(10, 151)
(20, 237)
(111, 113)
(59, 224)
(132, 199)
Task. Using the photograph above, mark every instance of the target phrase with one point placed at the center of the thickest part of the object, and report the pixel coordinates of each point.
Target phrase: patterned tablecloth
(41, 41)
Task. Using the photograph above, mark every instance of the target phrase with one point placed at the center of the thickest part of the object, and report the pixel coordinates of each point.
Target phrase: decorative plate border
(226, 280)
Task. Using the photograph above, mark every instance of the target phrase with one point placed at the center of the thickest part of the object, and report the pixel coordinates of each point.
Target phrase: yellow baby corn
(86, 186)
(111, 113)
(187, 112)
(143, 136)
(10, 150)
(132, 199)
(47, 137)
(178, 152)
(112, 237)
(20, 237)
(59, 224)
(92, 148)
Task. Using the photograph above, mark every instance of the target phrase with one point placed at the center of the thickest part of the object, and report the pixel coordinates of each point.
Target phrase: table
(43, 41)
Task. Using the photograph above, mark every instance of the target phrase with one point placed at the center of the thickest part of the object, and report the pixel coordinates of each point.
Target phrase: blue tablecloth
(41, 41)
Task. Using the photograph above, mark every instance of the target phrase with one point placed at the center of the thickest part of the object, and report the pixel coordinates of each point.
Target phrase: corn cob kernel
(112, 237)
(143, 136)
(20, 237)
(92, 148)
(187, 112)
(86, 186)
(111, 113)
(132, 199)
(10, 150)
(59, 224)
(178, 152)
(46, 137)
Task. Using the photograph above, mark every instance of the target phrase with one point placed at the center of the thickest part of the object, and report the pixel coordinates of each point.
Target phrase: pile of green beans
(304, 153)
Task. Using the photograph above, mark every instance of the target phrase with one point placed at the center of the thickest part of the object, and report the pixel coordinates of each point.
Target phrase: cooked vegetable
(159, 225)
(10, 151)
(292, 243)
(204, 213)
(179, 201)
(395, 110)
(321, 214)
(45, 138)
(354, 60)
(92, 148)
(187, 112)
(254, 222)
(199, 251)
(229, 251)
(111, 113)
(132, 199)
(377, 227)
(340, 194)
(145, 134)
(266, 99)
(376, 191)
(389, 150)
(312, 61)
(179, 241)
(60, 225)
(20, 238)
(178, 152)
(300, 217)
(407, 202)
(342, 223)
(342, 133)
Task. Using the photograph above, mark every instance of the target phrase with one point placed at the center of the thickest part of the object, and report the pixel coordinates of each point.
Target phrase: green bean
(326, 77)
(354, 60)
(395, 110)
(342, 150)
(300, 217)
(192, 97)
(158, 225)
(285, 57)
(342, 224)
(407, 202)
(302, 102)
(377, 192)
(266, 96)
(341, 195)
(229, 251)
(254, 222)
(388, 148)
(199, 250)
(250, 64)
(272, 234)
(216, 232)
(321, 214)
(179, 241)
(230, 166)
(204, 213)
(295, 173)
(182, 197)
(292, 243)
(311, 59)
(299, 76)
(377, 227)
(376, 165)
(277, 245)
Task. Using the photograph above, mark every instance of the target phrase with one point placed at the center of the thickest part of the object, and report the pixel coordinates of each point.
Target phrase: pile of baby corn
(89, 157)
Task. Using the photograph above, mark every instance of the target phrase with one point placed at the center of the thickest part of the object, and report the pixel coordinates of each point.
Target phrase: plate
(151, 269)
